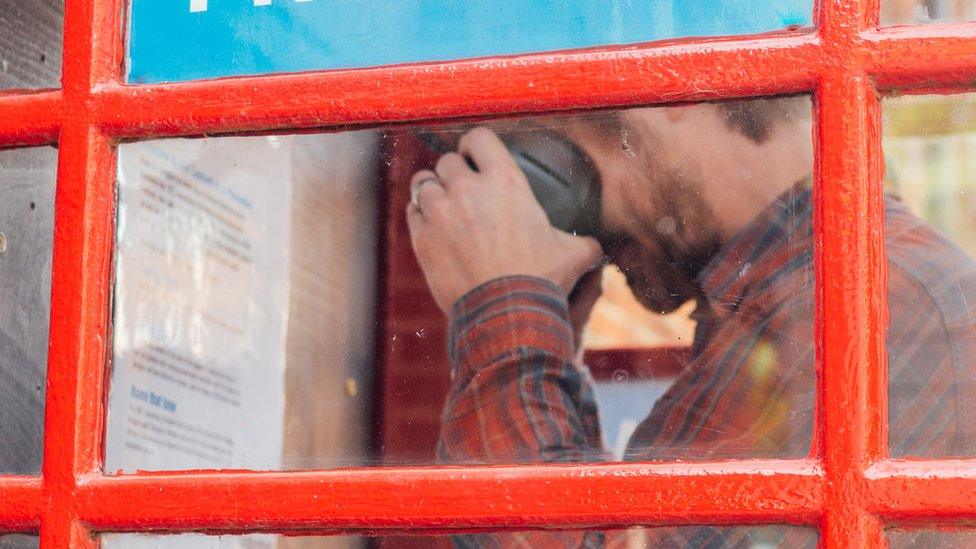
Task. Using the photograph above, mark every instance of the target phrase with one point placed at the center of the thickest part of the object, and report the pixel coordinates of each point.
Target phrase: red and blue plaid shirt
(748, 391)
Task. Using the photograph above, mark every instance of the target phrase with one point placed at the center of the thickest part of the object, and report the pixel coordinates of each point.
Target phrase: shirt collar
(750, 255)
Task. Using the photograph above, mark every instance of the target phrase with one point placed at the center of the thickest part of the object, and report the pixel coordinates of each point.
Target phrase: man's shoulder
(926, 270)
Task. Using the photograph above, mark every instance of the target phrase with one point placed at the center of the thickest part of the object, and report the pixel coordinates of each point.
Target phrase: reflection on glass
(260, 290)
(27, 181)
(791, 537)
(931, 539)
(30, 43)
(905, 12)
(252, 38)
(245, 272)
(929, 143)
(19, 541)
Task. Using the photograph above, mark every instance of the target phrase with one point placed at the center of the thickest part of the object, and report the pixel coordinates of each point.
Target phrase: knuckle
(474, 135)
(480, 131)
(444, 161)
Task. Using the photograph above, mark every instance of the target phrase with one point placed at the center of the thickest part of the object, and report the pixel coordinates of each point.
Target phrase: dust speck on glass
(27, 182)
(30, 43)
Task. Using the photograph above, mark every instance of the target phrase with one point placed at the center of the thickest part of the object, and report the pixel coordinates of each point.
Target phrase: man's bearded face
(656, 226)
(660, 231)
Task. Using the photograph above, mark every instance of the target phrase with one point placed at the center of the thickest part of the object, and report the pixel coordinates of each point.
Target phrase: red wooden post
(81, 275)
(851, 290)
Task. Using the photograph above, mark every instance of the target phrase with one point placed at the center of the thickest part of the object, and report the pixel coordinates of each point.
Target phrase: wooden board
(27, 180)
(30, 43)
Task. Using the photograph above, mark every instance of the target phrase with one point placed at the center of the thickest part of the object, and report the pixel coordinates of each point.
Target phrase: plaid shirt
(749, 389)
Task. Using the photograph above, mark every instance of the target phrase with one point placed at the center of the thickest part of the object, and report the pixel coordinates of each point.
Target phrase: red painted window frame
(848, 487)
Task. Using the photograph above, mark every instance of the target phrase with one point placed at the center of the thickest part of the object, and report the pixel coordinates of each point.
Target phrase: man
(709, 202)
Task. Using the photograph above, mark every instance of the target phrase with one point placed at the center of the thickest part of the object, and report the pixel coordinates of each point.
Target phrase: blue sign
(175, 40)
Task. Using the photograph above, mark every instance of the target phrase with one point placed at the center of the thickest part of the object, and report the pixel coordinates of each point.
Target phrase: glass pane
(19, 541)
(266, 36)
(27, 180)
(30, 43)
(931, 539)
(263, 283)
(765, 537)
(904, 12)
(245, 273)
(929, 145)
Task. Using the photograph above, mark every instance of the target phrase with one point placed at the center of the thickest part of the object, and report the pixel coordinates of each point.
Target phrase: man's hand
(468, 227)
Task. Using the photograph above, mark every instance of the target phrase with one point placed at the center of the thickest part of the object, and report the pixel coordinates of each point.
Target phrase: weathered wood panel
(30, 43)
(27, 180)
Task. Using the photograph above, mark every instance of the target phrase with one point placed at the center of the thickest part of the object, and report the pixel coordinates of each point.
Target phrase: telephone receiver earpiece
(563, 179)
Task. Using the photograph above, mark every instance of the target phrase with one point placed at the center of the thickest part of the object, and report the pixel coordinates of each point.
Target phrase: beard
(659, 281)
(672, 234)
(663, 259)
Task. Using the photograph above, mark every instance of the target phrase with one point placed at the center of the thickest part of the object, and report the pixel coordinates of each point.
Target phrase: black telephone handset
(562, 177)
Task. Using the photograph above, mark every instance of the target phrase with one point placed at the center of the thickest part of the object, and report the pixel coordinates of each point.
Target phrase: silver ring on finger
(415, 191)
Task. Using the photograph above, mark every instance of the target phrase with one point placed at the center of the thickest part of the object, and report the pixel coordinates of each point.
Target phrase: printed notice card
(201, 305)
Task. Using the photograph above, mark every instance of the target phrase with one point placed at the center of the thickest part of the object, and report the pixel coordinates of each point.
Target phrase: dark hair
(756, 117)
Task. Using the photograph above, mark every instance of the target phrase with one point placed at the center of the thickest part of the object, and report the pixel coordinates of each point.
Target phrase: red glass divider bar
(455, 497)
(21, 503)
(846, 497)
(922, 56)
(596, 77)
(916, 491)
(849, 238)
(30, 119)
(81, 273)
(900, 58)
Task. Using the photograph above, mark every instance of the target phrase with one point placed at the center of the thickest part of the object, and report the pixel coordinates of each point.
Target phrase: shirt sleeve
(923, 384)
(516, 395)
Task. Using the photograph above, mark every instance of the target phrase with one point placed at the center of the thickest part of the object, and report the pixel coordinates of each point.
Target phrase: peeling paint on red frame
(850, 490)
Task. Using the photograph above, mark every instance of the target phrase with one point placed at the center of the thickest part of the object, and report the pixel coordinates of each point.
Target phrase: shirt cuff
(506, 317)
